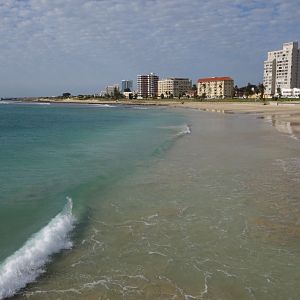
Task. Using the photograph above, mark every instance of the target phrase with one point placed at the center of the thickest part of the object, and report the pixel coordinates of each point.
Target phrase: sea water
(102, 202)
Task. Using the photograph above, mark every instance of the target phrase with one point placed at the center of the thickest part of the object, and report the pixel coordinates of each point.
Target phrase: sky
(48, 47)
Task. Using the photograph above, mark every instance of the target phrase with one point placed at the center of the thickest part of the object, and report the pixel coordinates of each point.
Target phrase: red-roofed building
(215, 87)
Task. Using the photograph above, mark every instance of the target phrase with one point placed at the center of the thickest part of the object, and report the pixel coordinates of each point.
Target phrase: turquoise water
(50, 152)
(167, 204)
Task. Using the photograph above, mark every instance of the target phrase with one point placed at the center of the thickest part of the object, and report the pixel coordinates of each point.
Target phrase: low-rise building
(290, 93)
(174, 87)
(128, 95)
(296, 92)
(215, 87)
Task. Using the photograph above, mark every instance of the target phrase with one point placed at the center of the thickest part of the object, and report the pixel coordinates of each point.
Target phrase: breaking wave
(180, 131)
(186, 129)
(26, 264)
(102, 105)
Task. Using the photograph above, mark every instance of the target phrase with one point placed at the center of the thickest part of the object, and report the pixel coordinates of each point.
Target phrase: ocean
(117, 202)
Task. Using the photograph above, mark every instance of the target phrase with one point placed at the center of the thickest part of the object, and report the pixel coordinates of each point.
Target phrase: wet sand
(284, 116)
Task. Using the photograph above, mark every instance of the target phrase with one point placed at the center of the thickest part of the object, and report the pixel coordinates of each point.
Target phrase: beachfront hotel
(282, 69)
(174, 86)
(147, 85)
(215, 87)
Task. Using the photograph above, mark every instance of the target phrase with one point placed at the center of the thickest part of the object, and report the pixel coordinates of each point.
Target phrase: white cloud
(89, 43)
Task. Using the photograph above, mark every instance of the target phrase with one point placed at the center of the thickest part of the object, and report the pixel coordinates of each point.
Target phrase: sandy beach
(284, 116)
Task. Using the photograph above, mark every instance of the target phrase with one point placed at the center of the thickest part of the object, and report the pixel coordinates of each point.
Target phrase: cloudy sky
(48, 47)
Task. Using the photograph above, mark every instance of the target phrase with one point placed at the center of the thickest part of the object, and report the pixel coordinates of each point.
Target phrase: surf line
(27, 263)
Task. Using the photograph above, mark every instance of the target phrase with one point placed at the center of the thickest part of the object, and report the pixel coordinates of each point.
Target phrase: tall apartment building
(282, 69)
(147, 85)
(126, 84)
(174, 86)
(215, 87)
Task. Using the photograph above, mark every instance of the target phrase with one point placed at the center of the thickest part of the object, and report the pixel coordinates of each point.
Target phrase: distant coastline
(190, 102)
(285, 112)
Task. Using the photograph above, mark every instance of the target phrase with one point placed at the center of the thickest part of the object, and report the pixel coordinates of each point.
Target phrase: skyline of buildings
(281, 77)
(86, 52)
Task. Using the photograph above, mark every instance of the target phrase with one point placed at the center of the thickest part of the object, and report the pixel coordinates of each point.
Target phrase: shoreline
(285, 116)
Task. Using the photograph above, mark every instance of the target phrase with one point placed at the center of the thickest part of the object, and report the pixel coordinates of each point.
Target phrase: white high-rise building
(282, 69)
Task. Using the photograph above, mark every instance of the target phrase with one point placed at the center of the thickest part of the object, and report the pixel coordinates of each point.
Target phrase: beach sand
(284, 116)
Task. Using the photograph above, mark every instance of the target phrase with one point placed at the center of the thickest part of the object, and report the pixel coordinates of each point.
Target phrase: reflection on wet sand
(282, 124)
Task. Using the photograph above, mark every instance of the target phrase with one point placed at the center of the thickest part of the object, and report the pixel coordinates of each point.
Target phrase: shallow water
(212, 214)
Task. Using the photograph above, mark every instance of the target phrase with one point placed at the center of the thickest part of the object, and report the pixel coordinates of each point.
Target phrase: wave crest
(186, 129)
(26, 264)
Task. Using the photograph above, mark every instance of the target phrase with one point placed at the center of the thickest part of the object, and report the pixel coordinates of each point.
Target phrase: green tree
(249, 90)
(261, 89)
(116, 94)
(66, 95)
(235, 91)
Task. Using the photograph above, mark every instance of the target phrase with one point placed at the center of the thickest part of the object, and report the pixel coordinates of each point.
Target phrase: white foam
(38, 103)
(186, 129)
(26, 264)
(140, 107)
(293, 136)
(102, 105)
(156, 253)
